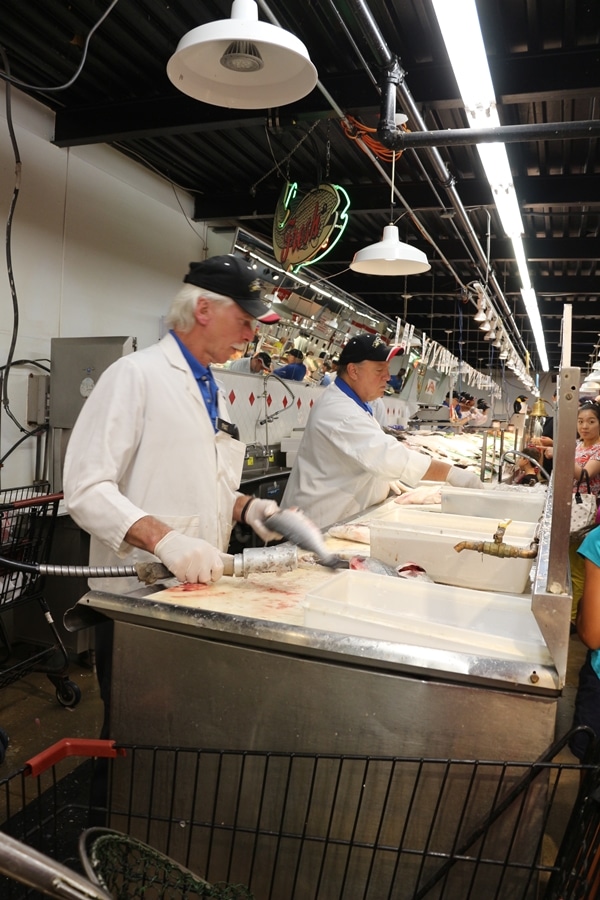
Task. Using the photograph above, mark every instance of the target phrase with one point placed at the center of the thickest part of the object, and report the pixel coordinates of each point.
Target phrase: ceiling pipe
(396, 139)
(395, 80)
(386, 59)
(369, 153)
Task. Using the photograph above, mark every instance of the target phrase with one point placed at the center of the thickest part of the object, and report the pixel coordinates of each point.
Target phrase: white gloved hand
(189, 559)
(462, 478)
(255, 514)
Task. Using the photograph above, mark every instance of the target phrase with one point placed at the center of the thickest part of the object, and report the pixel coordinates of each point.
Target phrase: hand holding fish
(255, 514)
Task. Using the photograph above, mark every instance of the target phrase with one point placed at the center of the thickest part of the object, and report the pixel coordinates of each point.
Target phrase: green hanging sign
(306, 227)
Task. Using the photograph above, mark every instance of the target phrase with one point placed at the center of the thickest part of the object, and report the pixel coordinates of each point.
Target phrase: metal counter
(232, 667)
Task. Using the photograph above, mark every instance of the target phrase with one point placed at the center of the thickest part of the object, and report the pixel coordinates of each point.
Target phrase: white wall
(99, 247)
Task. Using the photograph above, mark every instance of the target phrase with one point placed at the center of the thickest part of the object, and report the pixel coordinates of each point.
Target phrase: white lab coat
(144, 444)
(241, 365)
(345, 461)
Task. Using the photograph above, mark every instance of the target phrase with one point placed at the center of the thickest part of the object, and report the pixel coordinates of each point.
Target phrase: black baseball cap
(232, 277)
(264, 358)
(367, 346)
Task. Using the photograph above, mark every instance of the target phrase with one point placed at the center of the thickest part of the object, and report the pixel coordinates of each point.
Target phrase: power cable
(16, 82)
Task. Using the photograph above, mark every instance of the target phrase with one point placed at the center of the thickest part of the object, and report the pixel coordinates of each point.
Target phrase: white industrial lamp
(480, 315)
(242, 63)
(390, 257)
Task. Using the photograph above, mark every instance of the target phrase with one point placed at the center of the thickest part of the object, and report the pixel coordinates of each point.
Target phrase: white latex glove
(189, 559)
(462, 478)
(396, 487)
(256, 513)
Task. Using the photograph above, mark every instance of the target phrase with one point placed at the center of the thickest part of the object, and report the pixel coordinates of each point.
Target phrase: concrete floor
(34, 719)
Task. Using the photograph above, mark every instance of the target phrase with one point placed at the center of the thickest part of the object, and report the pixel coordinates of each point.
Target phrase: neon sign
(307, 227)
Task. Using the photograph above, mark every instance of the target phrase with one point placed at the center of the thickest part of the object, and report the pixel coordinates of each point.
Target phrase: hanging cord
(9, 265)
(286, 159)
(356, 131)
(6, 76)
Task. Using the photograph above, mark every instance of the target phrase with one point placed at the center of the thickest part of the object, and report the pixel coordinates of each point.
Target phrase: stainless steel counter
(232, 666)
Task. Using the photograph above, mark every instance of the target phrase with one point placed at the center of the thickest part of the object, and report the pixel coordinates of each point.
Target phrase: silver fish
(371, 564)
(297, 528)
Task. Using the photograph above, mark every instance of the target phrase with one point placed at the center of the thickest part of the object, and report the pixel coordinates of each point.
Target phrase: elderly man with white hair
(153, 465)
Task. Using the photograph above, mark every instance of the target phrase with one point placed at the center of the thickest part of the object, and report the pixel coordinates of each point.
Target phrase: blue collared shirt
(346, 389)
(205, 380)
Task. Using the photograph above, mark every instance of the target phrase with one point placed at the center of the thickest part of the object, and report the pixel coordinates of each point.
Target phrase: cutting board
(273, 597)
(270, 596)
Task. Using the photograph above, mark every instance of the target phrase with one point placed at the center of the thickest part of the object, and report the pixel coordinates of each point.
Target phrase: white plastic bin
(427, 615)
(432, 548)
(424, 517)
(523, 504)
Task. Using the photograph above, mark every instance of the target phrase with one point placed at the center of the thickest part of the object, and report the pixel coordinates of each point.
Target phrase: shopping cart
(305, 826)
(27, 519)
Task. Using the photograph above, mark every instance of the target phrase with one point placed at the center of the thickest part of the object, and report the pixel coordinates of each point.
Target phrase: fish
(372, 564)
(292, 524)
(351, 532)
(413, 570)
(424, 494)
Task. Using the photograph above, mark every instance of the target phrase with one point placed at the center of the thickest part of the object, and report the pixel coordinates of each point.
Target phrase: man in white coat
(345, 461)
(153, 466)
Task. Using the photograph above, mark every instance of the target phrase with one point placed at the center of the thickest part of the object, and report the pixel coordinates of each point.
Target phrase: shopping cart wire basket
(303, 826)
(27, 519)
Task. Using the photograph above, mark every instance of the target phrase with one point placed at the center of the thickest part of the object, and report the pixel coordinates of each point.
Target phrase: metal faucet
(270, 417)
(533, 461)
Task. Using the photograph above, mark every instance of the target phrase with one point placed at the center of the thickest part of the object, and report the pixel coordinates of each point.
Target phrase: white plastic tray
(436, 616)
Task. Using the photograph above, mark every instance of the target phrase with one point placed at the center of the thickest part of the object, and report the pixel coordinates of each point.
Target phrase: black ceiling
(544, 58)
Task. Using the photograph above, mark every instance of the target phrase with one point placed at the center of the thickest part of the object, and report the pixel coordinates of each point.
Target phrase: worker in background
(325, 373)
(453, 403)
(294, 369)
(153, 466)
(252, 365)
(479, 414)
(345, 461)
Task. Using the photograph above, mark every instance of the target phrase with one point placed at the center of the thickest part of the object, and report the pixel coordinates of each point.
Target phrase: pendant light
(390, 256)
(242, 63)
(480, 315)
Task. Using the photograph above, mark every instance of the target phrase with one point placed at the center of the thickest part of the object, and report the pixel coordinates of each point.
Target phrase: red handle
(86, 747)
(39, 500)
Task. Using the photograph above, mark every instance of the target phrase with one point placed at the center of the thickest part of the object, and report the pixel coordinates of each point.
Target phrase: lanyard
(209, 390)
